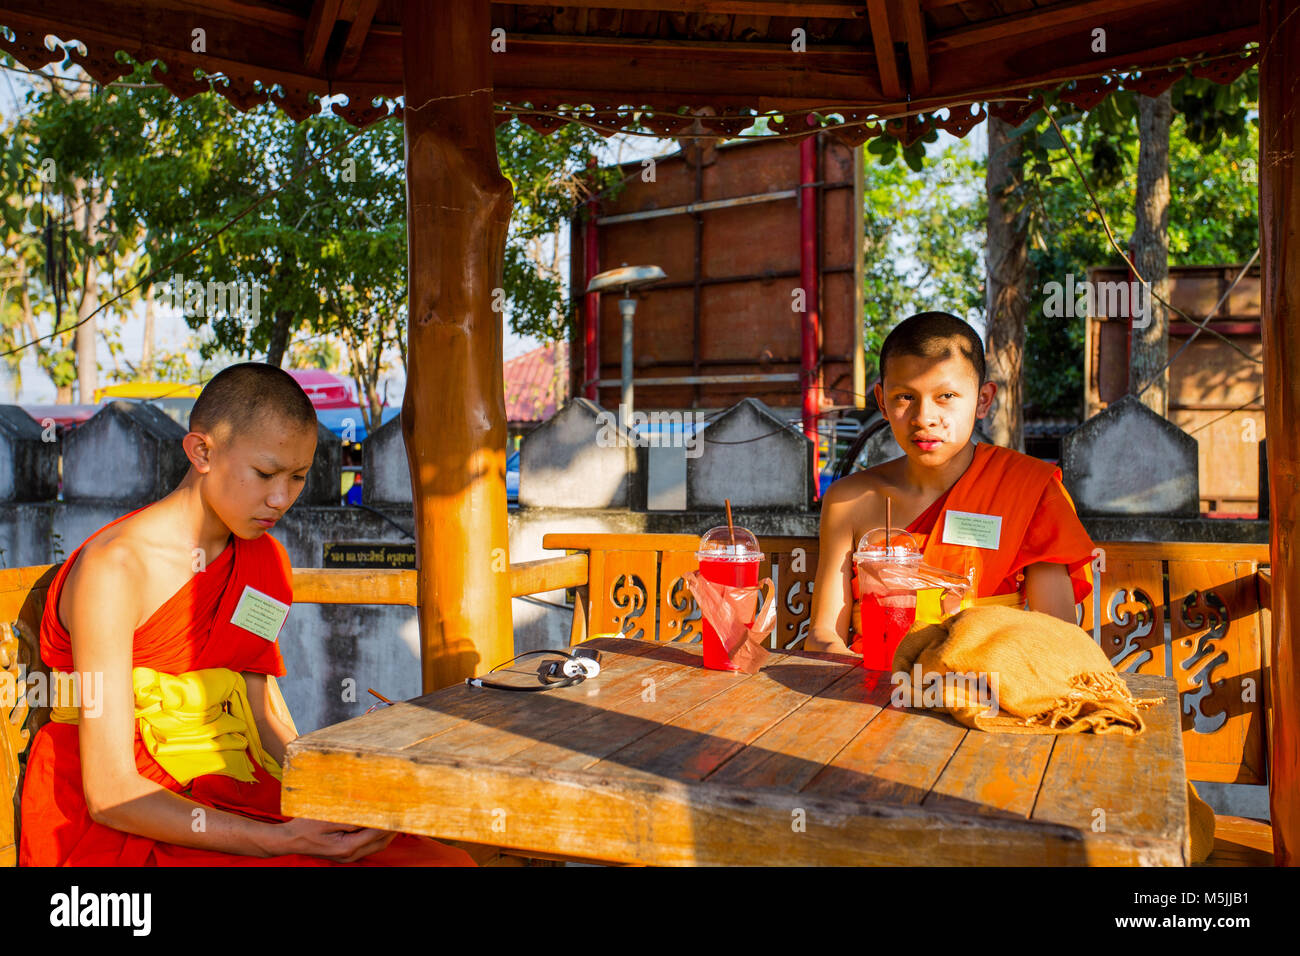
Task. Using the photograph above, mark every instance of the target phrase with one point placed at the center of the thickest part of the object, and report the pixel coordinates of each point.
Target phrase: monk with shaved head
(161, 631)
(997, 517)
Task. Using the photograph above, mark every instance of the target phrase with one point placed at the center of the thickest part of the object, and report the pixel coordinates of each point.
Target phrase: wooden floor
(1241, 841)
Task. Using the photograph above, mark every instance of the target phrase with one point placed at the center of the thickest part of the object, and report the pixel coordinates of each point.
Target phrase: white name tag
(260, 613)
(971, 529)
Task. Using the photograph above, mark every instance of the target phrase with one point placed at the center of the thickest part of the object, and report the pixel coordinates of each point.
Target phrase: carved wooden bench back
(1207, 593)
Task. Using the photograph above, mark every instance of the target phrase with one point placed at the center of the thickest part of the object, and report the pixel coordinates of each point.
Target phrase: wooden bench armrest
(548, 574)
(349, 586)
(386, 587)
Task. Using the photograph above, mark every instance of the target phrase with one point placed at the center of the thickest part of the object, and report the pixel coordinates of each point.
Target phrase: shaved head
(248, 394)
(934, 335)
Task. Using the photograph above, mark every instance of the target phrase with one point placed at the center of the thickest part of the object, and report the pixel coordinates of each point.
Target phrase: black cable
(385, 517)
(528, 654)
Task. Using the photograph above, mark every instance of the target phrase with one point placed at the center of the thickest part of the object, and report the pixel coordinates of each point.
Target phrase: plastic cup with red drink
(887, 611)
(729, 557)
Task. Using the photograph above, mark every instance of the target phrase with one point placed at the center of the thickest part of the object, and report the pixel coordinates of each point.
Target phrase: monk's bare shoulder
(861, 486)
(107, 565)
(856, 487)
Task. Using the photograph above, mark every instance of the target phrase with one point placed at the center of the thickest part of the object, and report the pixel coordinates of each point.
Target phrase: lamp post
(626, 278)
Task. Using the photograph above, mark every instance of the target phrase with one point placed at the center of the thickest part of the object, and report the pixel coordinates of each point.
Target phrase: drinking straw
(731, 531)
(889, 515)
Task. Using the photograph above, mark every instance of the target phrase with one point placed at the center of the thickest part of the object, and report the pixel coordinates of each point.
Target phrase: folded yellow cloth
(1046, 675)
(194, 723)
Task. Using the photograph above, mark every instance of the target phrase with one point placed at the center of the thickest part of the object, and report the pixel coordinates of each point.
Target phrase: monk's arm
(1048, 589)
(274, 732)
(832, 601)
(101, 620)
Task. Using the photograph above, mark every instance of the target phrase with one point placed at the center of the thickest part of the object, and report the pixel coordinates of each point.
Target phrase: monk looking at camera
(172, 614)
(969, 506)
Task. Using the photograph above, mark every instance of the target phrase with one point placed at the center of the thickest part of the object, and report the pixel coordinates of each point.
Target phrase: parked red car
(325, 389)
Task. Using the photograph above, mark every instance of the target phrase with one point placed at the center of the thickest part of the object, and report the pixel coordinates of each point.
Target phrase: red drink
(886, 618)
(887, 588)
(728, 557)
(733, 572)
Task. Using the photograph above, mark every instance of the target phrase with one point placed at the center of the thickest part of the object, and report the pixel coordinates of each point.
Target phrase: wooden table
(659, 761)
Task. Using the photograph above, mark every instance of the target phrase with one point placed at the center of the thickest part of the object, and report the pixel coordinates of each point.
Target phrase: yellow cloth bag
(196, 723)
(1047, 677)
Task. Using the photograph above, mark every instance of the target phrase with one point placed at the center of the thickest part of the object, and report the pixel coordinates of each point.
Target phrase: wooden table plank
(790, 754)
(525, 719)
(992, 775)
(698, 741)
(1100, 783)
(615, 726)
(894, 759)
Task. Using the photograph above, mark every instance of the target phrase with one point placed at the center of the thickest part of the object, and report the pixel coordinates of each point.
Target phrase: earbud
(576, 667)
(580, 667)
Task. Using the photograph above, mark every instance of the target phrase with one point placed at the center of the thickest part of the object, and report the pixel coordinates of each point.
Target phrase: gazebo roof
(724, 58)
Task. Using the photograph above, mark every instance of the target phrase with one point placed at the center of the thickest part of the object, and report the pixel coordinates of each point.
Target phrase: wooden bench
(1214, 597)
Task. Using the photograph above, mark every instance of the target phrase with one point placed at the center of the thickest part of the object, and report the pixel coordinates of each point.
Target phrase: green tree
(924, 237)
(311, 215)
(1213, 211)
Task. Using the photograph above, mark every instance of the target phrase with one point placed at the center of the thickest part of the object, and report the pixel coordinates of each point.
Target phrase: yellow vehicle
(174, 398)
(146, 390)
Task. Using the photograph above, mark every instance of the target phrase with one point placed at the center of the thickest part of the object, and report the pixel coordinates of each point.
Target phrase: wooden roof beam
(1056, 16)
(824, 9)
(316, 38)
(358, 29)
(883, 39)
(917, 54)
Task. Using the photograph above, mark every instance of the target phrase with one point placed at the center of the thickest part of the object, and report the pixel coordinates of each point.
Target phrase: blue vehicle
(349, 424)
(512, 478)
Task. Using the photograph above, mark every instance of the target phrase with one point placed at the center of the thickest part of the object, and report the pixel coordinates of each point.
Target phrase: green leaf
(1050, 139)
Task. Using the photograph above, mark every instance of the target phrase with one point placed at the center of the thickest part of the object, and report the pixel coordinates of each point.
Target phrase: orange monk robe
(191, 631)
(1039, 524)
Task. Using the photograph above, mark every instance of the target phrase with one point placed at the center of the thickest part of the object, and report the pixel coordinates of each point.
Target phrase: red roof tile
(534, 386)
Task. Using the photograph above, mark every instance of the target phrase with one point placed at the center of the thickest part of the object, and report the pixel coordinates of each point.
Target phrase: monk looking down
(174, 612)
(1029, 547)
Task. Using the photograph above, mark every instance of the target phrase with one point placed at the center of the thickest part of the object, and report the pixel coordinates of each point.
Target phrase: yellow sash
(193, 724)
(929, 611)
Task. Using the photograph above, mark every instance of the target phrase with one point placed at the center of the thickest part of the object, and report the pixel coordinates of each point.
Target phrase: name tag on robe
(260, 613)
(971, 529)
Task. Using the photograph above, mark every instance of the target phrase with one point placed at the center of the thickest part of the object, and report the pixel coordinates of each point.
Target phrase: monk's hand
(333, 841)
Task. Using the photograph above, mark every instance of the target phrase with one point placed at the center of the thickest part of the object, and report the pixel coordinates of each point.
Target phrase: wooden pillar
(453, 414)
(1279, 223)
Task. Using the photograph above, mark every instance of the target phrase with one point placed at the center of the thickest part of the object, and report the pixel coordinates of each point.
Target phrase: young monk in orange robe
(170, 615)
(1028, 546)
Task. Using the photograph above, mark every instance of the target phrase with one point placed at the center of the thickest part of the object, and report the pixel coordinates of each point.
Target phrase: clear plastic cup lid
(902, 546)
(719, 544)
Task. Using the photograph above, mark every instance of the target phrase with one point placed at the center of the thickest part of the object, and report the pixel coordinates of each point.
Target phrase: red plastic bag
(731, 612)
